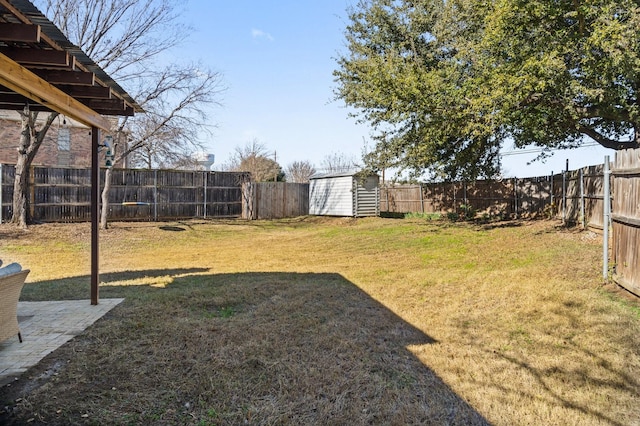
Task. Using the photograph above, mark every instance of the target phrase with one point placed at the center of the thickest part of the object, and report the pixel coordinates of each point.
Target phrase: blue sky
(277, 59)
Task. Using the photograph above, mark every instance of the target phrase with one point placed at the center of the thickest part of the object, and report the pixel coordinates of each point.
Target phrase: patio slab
(46, 326)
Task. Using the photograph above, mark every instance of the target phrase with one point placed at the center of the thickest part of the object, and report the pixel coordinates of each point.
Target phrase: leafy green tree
(446, 84)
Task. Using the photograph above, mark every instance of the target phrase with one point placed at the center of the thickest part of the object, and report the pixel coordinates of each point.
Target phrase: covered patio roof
(41, 68)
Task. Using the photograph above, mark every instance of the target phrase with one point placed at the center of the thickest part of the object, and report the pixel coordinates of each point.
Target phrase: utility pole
(275, 171)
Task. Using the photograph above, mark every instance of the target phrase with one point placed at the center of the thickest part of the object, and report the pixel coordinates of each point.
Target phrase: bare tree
(126, 37)
(30, 141)
(254, 158)
(338, 163)
(299, 171)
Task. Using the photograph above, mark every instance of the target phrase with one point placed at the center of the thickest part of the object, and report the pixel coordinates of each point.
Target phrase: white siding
(331, 196)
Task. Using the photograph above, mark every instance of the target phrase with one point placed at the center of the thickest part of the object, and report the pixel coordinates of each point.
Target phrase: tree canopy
(255, 159)
(445, 84)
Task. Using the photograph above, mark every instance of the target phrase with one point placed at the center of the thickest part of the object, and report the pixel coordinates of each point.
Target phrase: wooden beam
(19, 107)
(107, 106)
(22, 81)
(20, 32)
(95, 92)
(13, 98)
(18, 14)
(66, 77)
(43, 57)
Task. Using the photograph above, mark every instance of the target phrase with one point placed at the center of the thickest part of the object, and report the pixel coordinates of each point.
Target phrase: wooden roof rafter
(62, 76)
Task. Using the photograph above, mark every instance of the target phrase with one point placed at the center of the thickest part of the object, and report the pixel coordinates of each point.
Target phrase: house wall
(331, 196)
(49, 154)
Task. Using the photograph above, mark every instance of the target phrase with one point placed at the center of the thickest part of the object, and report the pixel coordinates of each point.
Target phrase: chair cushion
(11, 268)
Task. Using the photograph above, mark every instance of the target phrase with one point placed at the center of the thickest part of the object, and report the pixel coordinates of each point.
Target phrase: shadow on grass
(246, 348)
(76, 288)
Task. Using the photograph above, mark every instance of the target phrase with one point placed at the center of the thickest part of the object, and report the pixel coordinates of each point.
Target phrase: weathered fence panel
(64, 194)
(579, 198)
(625, 219)
(493, 198)
(275, 200)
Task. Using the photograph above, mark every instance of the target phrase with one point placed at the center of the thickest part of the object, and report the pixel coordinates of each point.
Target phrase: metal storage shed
(344, 194)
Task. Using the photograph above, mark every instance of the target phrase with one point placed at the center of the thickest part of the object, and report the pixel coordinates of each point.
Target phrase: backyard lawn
(331, 321)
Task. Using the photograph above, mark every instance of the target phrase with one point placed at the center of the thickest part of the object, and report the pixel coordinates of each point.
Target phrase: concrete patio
(46, 326)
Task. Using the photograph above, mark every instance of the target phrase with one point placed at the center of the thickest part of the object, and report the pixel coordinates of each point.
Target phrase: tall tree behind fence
(275, 200)
(64, 194)
(625, 219)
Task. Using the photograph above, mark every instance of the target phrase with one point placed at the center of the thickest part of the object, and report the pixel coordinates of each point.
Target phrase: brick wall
(49, 154)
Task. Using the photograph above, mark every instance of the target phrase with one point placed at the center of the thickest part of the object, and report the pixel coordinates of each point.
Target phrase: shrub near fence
(64, 194)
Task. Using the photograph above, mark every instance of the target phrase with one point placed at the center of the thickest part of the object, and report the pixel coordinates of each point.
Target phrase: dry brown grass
(333, 321)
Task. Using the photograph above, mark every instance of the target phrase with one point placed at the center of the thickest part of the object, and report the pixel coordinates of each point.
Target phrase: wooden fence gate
(274, 200)
(625, 220)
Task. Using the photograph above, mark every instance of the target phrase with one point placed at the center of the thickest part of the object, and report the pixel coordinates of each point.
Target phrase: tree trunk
(30, 141)
(21, 183)
(104, 204)
(20, 189)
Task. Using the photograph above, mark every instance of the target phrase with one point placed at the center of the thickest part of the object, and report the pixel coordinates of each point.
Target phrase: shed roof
(343, 173)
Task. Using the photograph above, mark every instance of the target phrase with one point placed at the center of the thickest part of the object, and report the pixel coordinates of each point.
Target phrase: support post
(607, 217)
(206, 178)
(552, 194)
(95, 210)
(1, 171)
(582, 207)
(515, 197)
(564, 197)
(155, 195)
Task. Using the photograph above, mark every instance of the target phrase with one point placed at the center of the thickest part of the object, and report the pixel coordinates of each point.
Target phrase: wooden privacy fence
(575, 196)
(625, 219)
(275, 200)
(64, 194)
(494, 198)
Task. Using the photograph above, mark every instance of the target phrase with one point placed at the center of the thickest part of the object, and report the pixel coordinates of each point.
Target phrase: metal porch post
(95, 210)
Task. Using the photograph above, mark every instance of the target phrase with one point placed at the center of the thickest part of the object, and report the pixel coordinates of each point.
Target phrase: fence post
(205, 175)
(421, 197)
(32, 192)
(582, 212)
(515, 196)
(564, 197)
(464, 193)
(155, 195)
(1, 194)
(551, 192)
(607, 217)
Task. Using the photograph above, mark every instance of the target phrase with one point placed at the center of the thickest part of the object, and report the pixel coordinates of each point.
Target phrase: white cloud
(256, 33)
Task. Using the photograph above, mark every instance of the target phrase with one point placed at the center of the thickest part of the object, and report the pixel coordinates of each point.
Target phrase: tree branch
(606, 142)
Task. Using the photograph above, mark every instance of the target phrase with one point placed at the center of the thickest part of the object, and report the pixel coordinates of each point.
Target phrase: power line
(540, 150)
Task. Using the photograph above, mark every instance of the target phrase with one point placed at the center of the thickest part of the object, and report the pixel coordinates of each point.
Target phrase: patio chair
(11, 281)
